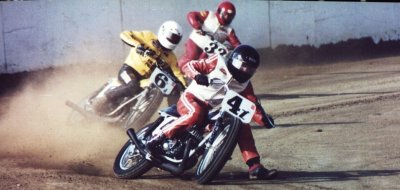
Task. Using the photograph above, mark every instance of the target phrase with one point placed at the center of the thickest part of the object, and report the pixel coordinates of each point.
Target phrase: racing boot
(259, 172)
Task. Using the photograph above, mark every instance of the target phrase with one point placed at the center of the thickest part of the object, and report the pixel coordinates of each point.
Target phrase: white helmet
(170, 34)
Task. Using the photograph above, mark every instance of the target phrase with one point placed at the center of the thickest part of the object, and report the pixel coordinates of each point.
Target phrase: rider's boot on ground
(258, 171)
(99, 103)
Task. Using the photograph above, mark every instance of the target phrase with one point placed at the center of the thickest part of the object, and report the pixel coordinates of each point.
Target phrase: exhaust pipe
(158, 163)
(132, 135)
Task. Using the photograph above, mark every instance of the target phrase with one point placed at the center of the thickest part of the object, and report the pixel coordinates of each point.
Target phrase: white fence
(40, 34)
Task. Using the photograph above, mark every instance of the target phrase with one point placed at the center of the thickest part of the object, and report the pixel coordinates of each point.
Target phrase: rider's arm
(202, 66)
(249, 94)
(196, 19)
(132, 38)
(233, 39)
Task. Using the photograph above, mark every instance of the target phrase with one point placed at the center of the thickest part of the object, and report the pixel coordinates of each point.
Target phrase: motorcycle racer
(147, 50)
(215, 24)
(196, 101)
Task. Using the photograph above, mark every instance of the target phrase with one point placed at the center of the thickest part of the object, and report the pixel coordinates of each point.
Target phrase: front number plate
(238, 106)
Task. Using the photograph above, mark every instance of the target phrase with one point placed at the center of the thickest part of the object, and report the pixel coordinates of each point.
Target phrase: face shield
(227, 16)
(173, 38)
(243, 67)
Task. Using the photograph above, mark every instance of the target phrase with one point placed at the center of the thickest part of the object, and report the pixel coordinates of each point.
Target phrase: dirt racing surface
(338, 128)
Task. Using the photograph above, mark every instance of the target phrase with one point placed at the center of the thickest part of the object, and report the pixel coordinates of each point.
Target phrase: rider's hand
(149, 53)
(201, 79)
(140, 50)
(201, 32)
(268, 121)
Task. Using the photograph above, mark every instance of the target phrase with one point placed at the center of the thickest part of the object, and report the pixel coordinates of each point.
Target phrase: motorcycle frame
(188, 153)
(139, 97)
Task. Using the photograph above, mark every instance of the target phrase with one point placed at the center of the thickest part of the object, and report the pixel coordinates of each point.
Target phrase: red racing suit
(207, 22)
(197, 100)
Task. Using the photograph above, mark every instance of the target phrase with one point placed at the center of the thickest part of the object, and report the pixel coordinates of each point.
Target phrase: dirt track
(338, 128)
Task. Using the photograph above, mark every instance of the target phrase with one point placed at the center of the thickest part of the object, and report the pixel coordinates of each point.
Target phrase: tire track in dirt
(341, 104)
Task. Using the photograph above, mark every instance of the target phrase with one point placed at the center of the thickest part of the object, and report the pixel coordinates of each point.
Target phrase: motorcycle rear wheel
(129, 163)
(216, 156)
(74, 117)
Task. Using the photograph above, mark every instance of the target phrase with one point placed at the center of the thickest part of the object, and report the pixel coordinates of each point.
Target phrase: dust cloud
(35, 127)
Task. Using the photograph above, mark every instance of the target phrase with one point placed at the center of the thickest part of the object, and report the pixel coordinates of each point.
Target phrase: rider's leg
(125, 90)
(247, 144)
(129, 78)
(192, 111)
(130, 86)
(251, 157)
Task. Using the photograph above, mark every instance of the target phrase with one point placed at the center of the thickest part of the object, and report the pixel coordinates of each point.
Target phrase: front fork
(218, 127)
(141, 97)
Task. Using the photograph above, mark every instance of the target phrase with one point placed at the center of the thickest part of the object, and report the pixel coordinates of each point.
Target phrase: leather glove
(201, 32)
(201, 79)
(140, 50)
(149, 53)
(268, 121)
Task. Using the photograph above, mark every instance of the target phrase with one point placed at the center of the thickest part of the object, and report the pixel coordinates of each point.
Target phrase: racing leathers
(145, 52)
(197, 100)
(205, 23)
(144, 61)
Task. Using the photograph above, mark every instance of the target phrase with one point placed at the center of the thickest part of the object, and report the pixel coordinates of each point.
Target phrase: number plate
(162, 81)
(215, 47)
(238, 106)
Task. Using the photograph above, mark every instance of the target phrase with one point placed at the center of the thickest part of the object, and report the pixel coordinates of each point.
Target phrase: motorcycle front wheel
(216, 156)
(129, 163)
(138, 117)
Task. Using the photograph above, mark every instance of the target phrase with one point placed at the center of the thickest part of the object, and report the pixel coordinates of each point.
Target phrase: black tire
(139, 118)
(135, 170)
(213, 160)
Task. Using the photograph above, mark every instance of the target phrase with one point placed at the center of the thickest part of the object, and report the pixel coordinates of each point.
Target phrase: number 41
(235, 104)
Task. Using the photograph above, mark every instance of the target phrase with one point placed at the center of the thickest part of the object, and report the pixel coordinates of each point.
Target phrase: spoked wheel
(129, 163)
(143, 112)
(216, 156)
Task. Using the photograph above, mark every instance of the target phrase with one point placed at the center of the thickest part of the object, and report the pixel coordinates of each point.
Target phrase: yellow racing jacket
(144, 65)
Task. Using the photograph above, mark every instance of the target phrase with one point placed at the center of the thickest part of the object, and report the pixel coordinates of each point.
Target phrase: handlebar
(265, 115)
(159, 63)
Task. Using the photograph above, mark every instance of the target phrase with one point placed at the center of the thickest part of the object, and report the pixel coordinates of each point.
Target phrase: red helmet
(225, 13)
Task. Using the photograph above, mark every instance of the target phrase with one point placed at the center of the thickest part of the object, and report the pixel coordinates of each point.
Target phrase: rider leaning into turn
(147, 50)
(195, 103)
(215, 24)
